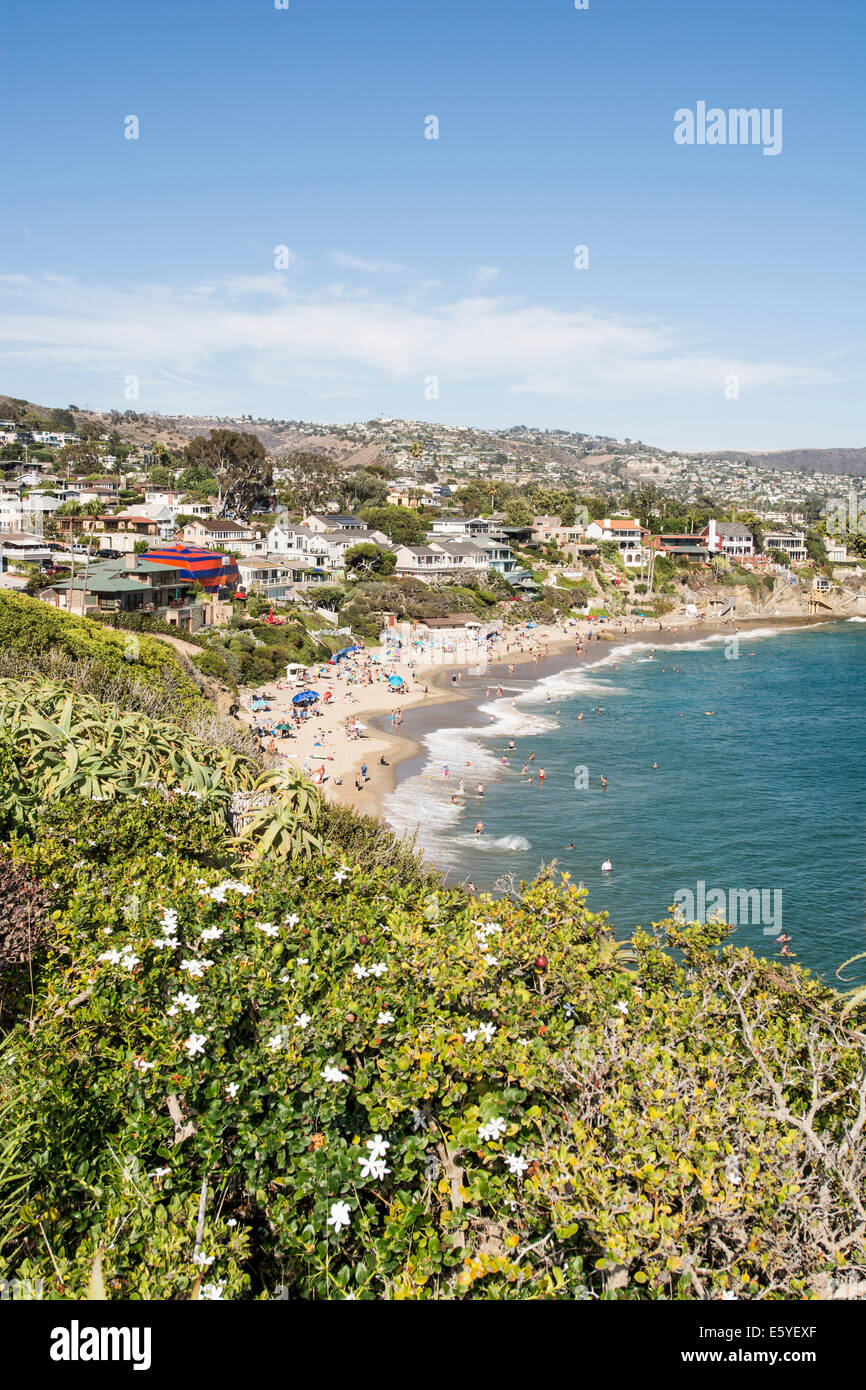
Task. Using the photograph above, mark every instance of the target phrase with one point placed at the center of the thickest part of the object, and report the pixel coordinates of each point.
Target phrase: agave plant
(855, 997)
(282, 816)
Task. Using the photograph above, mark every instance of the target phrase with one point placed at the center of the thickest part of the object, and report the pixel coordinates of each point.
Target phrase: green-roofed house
(130, 585)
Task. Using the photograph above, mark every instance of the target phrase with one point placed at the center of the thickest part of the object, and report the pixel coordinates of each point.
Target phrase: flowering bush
(311, 1079)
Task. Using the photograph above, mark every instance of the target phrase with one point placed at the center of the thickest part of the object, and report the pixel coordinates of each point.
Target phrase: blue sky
(452, 258)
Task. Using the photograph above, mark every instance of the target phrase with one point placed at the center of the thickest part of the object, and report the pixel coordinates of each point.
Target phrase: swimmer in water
(541, 774)
(655, 764)
(603, 781)
(579, 717)
(479, 827)
(531, 757)
(480, 789)
(524, 769)
(606, 867)
(570, 845)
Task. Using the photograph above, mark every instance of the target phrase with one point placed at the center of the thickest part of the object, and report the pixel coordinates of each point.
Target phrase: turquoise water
(765, 793)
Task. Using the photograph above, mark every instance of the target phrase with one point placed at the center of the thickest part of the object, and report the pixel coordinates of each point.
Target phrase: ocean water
(765, 792)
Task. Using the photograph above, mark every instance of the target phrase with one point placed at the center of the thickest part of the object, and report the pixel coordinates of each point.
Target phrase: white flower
(113, 957)
(488, 1030)
(169, 920)
(303, 1020)
(232, 1089)
(211, 934)
(492, 960)
(160, 1172)
(622, 1006)
(470, 1035)
(128, 960)
(338, 877)
(195, 1044)
(360, 972)
(334, 1074)
(275, 1042)
(340, 1216)
(142, 1066)
(728, 1296)
(268, 928)
(292, 920)
(492, 1131)
(372, 1167)
(187, 1001)
(380, 968)
(378, 1146)
(172, 1011)
(195, 968)
(204, 1260)
(232, 1221)
(169, 942)
(732, 1172)
(303, 960)
(212, 1291)
(385, 1017)
(517, 1164)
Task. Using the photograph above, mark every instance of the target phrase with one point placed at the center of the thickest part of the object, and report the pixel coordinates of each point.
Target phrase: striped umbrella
(210, 568)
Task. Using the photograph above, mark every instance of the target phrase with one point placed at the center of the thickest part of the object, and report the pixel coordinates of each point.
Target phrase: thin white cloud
(347, 261)
(486, 274)
(250, 329)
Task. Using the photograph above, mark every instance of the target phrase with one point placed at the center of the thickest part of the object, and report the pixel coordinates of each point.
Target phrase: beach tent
(347, 651)
(396, 682)
(209, 568)
(305, 697)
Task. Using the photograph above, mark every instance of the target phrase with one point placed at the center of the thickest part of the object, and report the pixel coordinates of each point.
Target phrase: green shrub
(517, 1108)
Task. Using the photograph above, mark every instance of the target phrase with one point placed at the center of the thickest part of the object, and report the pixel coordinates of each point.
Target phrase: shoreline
(409, 745)
(323, 749)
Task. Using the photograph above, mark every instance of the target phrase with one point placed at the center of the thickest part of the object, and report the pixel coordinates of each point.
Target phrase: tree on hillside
(365, 488)
(365, 560)
(240, 464)
(402, 525)
(313, 479)
(84, 455)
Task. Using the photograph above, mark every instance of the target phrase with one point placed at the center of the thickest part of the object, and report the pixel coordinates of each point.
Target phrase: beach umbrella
(395, 681)
(305, 697)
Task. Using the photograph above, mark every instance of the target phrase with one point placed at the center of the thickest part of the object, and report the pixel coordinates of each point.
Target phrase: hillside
(519, 443)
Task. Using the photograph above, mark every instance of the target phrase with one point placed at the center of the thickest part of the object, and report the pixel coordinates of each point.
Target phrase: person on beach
(383, 761)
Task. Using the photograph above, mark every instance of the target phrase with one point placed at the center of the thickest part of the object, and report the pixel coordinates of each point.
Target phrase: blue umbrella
(305, 697)
(395, 680)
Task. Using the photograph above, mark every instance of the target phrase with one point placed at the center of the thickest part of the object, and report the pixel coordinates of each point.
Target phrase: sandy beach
(338, 737)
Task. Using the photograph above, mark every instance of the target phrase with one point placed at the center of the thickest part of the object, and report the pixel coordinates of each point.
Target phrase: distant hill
(804, 460)
(518, 441)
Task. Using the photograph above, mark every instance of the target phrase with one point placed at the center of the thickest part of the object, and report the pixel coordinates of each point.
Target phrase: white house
(729, 538)
(235, 535)
(793, 543)
(626, 533)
